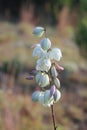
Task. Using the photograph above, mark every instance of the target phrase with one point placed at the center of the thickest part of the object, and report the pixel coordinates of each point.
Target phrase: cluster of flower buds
(46, 72)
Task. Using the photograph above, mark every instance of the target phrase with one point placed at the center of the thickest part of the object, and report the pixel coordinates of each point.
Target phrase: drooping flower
(55, 54)
(38, 31)
(43, 64)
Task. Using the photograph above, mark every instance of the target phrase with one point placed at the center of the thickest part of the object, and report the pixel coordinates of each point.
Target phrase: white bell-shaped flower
(43, 64)
(38, 31)
(45, 43)
(55, 54)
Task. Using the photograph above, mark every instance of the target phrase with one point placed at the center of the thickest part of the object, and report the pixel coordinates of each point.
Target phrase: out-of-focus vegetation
(81, 36)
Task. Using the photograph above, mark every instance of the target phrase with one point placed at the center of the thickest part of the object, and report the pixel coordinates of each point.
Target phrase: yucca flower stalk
(46, 72)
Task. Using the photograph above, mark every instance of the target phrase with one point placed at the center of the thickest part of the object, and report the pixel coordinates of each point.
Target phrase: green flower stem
(53, 118)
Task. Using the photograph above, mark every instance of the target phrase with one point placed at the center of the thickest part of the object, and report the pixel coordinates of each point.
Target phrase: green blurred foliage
(81, 36)
(83, 6)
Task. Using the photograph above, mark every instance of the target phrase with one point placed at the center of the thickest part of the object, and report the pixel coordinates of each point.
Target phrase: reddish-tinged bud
(59, 67)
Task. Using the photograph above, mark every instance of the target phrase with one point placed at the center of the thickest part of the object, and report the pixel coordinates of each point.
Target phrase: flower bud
(57, 82)
(52, 90)
(38, 31)
(38, 51)
(57, 95)
(45, 44)
(35, 96)
(59, 67)
(54, 72)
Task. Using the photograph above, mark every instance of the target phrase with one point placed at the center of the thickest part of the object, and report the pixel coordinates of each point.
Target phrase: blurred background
(66, 23)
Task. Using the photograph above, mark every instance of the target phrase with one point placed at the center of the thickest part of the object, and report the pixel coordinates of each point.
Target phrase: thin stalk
(45, 32)
(53, 117)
